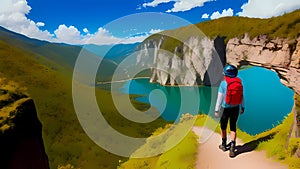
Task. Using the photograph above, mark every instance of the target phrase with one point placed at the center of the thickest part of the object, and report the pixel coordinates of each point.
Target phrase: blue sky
(115, 21)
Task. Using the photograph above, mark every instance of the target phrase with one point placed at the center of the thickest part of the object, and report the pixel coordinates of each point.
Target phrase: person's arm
(218, 104)
(242, 106)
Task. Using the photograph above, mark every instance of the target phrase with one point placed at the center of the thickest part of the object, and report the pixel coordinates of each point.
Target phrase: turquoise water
(267, 101)
(172, 101)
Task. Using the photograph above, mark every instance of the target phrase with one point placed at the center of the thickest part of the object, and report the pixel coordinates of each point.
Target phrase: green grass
(49, 85)
(280, 146)
(286, 26)
(183, 155)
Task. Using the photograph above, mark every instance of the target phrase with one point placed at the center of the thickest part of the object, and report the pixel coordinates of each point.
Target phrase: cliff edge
(21, 141)
(280, 55)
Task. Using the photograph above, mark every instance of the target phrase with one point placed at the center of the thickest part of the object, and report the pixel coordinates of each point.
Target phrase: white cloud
(67, 34)
(14, 6)
(179, 5)
(228, 12)
(268, 8)
(154, 3)
(205, 16)
(13, 17)
(85, 30)
(152, 31)
(103, 36)
(185, 5)
(40, 24)
(133, 39)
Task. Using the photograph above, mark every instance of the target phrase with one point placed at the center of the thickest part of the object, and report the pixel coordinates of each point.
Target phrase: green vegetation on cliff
(11, 96)
(182, 155)
(286, 26)
(278, 144)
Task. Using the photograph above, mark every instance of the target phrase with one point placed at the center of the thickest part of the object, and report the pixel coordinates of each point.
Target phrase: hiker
(230, 103)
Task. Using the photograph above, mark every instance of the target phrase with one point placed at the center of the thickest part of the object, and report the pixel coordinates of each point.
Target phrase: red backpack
(234, 93)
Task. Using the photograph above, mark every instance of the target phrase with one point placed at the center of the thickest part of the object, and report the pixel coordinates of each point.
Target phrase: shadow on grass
(250, 146)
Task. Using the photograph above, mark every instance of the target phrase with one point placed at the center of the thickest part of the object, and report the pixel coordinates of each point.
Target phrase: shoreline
(123, 80)
(136, 78)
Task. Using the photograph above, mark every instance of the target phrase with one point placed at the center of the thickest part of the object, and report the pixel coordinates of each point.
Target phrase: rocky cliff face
(280, 55)
(21, 143)
(195, 61)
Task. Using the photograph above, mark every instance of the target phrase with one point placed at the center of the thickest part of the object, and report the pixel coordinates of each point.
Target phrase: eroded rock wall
(280, 55)
(21, 142)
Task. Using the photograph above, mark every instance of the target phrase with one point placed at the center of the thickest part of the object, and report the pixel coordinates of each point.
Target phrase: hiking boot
(223, 145)
(231, 149)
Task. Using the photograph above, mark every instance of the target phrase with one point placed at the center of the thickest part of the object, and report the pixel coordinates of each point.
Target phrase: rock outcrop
(280, 55)
(21, 142)
(195, 61)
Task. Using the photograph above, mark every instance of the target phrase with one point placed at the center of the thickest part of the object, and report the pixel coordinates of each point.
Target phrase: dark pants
(231, 114)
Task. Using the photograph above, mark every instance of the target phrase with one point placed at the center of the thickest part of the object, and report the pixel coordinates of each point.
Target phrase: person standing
(229, 104)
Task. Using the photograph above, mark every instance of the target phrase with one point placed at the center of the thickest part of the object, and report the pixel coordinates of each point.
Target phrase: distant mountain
(99, 50)
(120, 51)
(115, 53)
(112, 55)
(62, 55)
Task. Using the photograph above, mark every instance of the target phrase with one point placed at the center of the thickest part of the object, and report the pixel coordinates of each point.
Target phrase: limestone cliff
(21, 141)
(280, 55)
(194, 61)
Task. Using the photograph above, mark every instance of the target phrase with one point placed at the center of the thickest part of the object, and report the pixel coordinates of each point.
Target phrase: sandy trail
(211, 157)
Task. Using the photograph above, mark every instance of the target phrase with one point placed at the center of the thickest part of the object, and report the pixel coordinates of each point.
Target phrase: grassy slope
(181, 156)
(273, 141)
(61, 54)
(64, 138)
(277, 144)
(286, 26)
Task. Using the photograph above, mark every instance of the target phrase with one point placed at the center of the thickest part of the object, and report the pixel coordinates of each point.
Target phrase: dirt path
(211, 157)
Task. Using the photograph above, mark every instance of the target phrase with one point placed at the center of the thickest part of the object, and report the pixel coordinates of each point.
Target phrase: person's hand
(242, 110)
(216, 114)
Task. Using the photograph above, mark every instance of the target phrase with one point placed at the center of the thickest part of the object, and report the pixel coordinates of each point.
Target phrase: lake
(267, 101)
